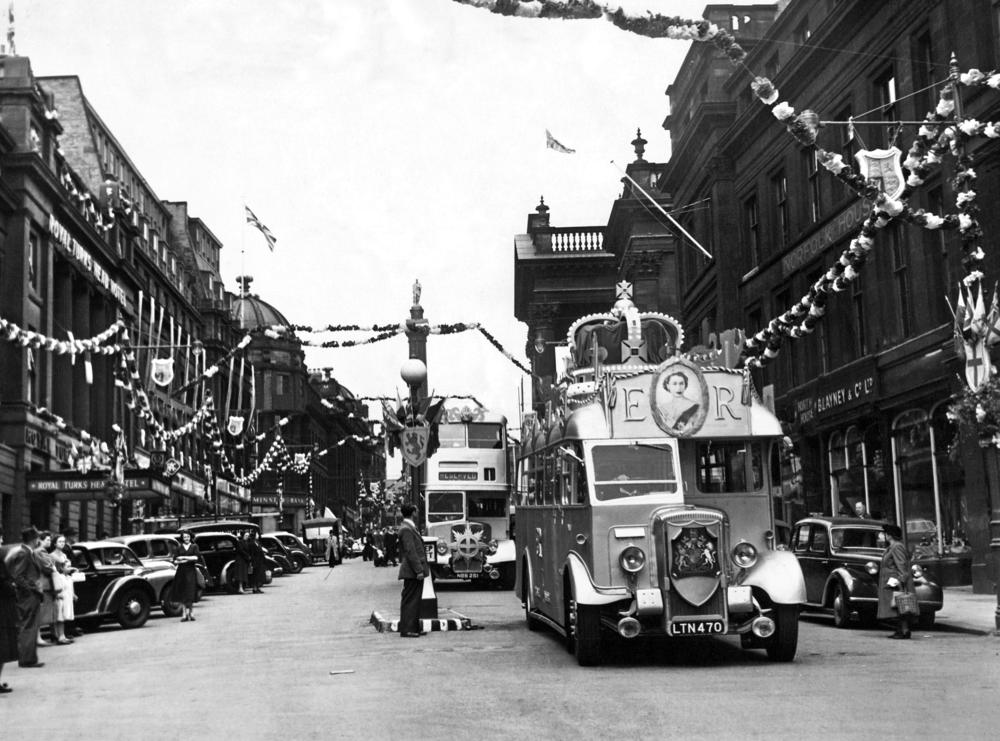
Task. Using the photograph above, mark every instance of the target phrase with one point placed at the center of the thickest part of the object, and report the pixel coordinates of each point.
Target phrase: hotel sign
(79, 253)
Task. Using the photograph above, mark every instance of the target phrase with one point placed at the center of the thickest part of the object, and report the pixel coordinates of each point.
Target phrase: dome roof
(251, 312)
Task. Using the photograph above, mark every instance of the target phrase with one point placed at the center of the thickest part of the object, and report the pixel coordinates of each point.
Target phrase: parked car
(157, 551)
(219, 551)
(280, 553)
(236, 527)
(112, 584)
(840, 559)
(299, 550)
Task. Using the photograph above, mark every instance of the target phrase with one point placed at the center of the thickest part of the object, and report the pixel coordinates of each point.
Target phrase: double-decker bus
(467, 497)
(644, 503)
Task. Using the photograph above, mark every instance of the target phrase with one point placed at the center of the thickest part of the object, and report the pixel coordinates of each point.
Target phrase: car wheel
(298, 563)
(782, 645)
(268, 576)
(133, 608)
(841, 606)
(170, 607)
(232, 583)
(926, 620)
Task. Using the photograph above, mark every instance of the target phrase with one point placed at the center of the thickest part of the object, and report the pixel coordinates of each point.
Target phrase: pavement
(973, 613)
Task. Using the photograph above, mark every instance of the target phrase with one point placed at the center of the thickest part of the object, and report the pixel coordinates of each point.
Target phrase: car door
(801, 538)
(88, 583)
(819, 562)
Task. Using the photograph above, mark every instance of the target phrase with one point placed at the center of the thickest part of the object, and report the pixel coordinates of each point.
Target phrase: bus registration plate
(697, 627)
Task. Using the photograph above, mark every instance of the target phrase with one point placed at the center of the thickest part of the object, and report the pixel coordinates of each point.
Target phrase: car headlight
(744, 554)
(918, 573)
(441, 548)
(632, 559)
(872, 568)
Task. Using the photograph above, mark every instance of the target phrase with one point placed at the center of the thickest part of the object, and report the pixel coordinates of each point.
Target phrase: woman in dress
(62, 581)
(257, 564)
(185, 586)
(243, 561)
(47, 611)
(678, 410)
(8, 618)
(895, 574)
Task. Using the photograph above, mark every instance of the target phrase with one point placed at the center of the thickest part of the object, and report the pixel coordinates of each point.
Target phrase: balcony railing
(570, 239)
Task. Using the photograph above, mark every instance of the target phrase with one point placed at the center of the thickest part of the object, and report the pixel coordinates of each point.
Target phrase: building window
(771, 67)
(751, 210)
(779, 188)
(858, 309)
(812, 177)
(885, 100)
(802, 32)
(901, 279)
(923, 75)
(34, 262)
(281, 383)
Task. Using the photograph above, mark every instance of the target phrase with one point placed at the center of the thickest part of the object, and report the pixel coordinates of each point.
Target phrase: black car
(219, 551)
(112, 584)
(840, 559)
(280, 553)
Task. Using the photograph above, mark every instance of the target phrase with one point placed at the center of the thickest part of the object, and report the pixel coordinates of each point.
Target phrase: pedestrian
(48, 609)
(23, 569)
(412, 570)
(332, 548)
(895, 575)
(257, 564)
(242, 561)
(71, 629)
(62, 582)
(185, 586)
(8, 617)
(368, 546)
(391, 547)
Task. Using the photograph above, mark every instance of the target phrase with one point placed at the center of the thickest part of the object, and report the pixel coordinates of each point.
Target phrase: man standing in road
(27, 576)
(412, 570)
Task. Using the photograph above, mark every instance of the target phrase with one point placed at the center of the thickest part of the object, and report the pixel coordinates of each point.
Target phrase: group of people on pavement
(36, 596)
(380, 546)
(250, 563)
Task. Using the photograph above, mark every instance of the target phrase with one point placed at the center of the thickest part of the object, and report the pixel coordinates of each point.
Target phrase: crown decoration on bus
(624, 336)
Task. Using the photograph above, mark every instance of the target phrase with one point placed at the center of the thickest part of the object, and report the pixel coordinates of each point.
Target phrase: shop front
(231, 499)
(873, 439)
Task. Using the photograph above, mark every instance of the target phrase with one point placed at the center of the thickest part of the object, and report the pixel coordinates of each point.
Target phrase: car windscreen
(114, 557)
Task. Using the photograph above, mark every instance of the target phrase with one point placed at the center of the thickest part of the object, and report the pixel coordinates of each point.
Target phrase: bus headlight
(441, 548)
(491, 547)
(632, 559)
(744, 555)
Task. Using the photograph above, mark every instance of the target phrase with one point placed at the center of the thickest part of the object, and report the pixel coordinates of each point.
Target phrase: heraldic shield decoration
(413, 445)
(468, 547)
(163, 371)
(694, 554)
(235, 425)
(882, 167)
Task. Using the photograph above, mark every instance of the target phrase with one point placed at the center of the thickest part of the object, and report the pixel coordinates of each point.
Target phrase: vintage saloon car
(299, 551)
(840, 559)
(112, 584)
(157, 551)
(280, 553)
(219, 551)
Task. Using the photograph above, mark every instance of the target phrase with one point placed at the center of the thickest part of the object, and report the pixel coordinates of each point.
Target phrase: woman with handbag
(895, 578)
(62, 580)
(185, 586)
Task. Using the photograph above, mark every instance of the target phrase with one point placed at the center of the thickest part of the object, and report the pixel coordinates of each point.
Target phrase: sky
(381, 141)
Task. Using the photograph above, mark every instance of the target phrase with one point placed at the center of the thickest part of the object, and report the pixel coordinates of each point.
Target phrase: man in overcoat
(27, 575)
(413, 570)
(895, 574)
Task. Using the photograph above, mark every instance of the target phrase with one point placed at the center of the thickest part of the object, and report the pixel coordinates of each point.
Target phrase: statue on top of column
(416, 292)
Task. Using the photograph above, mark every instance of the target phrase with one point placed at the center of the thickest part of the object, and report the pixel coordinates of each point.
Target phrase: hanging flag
(552, 143)
(253, 220)
(957, 337)
(993, 322)
(969, 305)
(979, 315)
(10, 30)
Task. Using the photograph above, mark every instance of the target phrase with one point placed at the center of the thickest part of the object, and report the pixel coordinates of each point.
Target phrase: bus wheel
(529, 621)
(781, 646)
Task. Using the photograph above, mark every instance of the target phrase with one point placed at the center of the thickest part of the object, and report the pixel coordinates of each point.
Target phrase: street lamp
(414, 373)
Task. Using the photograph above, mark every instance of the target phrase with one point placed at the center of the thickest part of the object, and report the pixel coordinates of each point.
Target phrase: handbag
(905, 603)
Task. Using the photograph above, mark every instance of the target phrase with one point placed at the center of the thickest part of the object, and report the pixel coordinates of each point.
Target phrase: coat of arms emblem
(163, 371)
(413, 445)
(235, 426)
(882, 167)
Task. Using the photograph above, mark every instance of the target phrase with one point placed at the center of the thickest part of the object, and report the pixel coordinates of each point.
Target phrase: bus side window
(549, 482)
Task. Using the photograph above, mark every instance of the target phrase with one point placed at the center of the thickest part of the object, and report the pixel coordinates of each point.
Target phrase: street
(263, 666)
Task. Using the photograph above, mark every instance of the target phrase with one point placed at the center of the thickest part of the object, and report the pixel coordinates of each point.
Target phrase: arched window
(911, 440)
(952, 537)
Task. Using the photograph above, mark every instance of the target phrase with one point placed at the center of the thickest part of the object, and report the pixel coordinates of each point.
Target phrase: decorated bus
(467, 497)
(644, 497)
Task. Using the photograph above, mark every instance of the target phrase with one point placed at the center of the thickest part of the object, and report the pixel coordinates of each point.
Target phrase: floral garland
(36, 341)
(979, 410)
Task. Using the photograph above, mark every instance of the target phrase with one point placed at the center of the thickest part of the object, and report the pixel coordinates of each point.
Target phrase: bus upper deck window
(451, 435)
(486, 436)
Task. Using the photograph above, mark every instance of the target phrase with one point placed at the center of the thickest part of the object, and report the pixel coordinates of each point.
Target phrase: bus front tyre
(782, 645)
(588, 635)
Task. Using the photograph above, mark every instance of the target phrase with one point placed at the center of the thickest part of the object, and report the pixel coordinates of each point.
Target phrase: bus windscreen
(633, 470)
